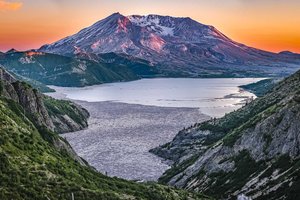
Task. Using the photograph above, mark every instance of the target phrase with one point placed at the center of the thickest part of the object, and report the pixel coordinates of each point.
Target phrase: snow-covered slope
(177, 46)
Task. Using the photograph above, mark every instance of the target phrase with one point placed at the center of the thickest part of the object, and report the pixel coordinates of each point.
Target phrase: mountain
(141, 68)
(253, 151)
(50, 69)
(175, 47)
(36, 163)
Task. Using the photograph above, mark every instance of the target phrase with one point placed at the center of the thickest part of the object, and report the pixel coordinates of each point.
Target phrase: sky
(272, 25)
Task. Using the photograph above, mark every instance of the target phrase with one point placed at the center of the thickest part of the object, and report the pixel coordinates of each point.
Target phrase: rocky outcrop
(30, 99)
(66, 115)
(5, 76)
(254, 151)
(56, 115)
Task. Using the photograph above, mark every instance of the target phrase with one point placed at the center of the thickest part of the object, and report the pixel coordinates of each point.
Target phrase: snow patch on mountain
(152, 22)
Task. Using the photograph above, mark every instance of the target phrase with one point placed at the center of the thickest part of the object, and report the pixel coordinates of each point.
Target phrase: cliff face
(30, 99)
(254, 151)
(56, 115)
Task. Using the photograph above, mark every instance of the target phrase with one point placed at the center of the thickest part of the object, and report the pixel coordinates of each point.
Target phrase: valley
(128, 119)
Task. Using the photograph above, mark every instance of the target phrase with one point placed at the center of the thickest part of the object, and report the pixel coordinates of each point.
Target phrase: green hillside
(51, 69)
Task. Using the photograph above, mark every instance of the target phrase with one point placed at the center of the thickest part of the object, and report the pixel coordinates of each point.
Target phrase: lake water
(213, 97)
(130, 118)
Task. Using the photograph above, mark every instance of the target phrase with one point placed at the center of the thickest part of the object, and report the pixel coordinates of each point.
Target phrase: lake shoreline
(214, 97)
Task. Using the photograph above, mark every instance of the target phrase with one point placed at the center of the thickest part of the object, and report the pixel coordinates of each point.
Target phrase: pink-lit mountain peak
(117, 31)
(173, 43)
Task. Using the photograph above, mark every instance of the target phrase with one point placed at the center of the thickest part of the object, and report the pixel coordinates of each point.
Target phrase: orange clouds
(5, 5)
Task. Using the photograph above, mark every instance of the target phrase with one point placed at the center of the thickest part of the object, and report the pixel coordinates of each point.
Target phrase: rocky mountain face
(253, 151)
(36, 163)
(61, 116)
(31, 100)
(175, 47)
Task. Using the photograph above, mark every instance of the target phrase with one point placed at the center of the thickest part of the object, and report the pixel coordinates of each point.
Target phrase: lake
(130, 118)
(214, 97)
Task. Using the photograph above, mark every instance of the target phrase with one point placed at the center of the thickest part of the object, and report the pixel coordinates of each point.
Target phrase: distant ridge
(12, 51)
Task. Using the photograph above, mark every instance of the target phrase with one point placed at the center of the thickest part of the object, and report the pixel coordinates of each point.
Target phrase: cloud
(6, 5)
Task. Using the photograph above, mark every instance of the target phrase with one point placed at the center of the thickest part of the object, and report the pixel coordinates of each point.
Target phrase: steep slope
(35, 163)
(254, 150)
(29, 103)
(34, 83)
(30, 99)
(140, 67)
(66, 115)
(176, 46)
(59, 70)
(61, 116)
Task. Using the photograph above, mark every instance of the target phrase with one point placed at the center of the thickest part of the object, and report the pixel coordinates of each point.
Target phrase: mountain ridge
(52, 69)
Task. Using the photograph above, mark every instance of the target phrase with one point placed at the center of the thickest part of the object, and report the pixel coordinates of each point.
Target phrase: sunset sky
(272, 25)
